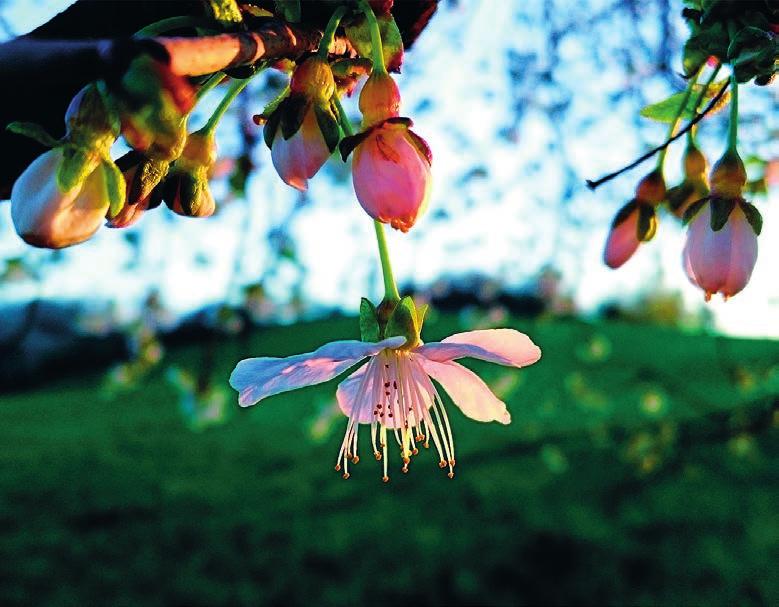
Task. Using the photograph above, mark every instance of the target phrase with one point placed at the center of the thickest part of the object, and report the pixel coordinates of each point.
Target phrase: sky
(502, 165)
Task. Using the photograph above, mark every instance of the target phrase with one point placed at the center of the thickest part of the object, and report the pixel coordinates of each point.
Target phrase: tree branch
(695, 120)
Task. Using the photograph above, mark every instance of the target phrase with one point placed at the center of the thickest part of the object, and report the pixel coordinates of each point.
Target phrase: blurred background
(640, 464)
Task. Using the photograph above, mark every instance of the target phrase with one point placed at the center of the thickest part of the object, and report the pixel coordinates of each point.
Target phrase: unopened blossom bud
(143, 178)
(87, 118)
(313, 79)
(721, 261)
(651, 189)
(695, 184)
(45, 215)
(391, 174)
(728, 176)
(300, 157)
(379, 99)
(186, 190)
(635, 223)
(302, 130)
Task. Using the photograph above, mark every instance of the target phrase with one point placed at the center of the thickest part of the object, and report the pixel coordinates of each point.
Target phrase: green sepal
(77, 164)
(348, 144)
(369, 322)
(721, 208)
(33, 131)
(293, 111)
(421, 313)
(667, 109)
(647, 223)
(404, 322)
(289, 10)
(693, 210)
(624, 213)
(753, 216)
(271, 126)
(328, 125)
(359, 34)
(115, 186)
(678, 194)
(188, 192)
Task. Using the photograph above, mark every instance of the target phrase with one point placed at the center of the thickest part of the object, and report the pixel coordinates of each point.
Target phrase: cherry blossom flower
(393, 391)
(300, 157)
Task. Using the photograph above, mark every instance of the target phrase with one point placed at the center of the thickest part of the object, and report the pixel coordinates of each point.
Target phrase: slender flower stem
(677, 120)
(329, 34)
(733, 126)
(390, 287)
(236, 86)
(377, 49)
(702, 96)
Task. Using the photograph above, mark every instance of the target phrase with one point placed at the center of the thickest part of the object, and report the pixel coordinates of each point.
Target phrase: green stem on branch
(377, 49)
(236, 86)
(676, 121)
(329, 33)
(390, 287)
(210, 83)
(701, 97)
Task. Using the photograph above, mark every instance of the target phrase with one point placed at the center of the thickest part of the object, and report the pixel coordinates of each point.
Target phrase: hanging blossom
(393, 391)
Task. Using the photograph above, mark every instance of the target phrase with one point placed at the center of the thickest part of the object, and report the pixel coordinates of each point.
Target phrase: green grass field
(640, 468)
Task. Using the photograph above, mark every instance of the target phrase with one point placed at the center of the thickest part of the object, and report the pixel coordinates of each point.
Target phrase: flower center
(397, 398)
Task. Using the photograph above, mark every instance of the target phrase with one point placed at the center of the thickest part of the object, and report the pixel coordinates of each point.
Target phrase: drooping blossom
(45, 215)
(636, 222)
(302, 130)
(720, 261)
(391, 163)
(393, 392)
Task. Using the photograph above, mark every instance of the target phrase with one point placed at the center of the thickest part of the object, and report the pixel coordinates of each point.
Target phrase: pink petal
(743, 254)
(354, 394)
(502, 346)
(258, 378)
(468, 391)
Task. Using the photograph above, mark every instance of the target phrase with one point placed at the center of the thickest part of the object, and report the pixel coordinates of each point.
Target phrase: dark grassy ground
(640, 468)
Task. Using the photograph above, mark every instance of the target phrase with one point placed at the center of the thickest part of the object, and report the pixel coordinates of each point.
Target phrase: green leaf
(753, 216)
(225, 11)
(647, 223)
(77, 164)
(33, 131)
(369, 322)
(289, 10)
(721, 208)
(713, 40)
(403, 322)
(328, 125)
(667, 109)
(115, 188)
(359, 35)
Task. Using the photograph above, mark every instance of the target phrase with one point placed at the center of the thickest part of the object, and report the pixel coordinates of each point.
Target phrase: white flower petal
(468, 391)
(502, 346)
(258, 378)
(354, 393)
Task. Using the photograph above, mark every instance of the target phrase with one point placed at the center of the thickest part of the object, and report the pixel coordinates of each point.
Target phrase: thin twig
(695, 120)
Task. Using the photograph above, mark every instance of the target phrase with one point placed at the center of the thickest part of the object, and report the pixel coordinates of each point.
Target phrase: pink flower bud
(300, 157)
(623, 237)
(45, 216)
(391, 175)
(721, 261)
